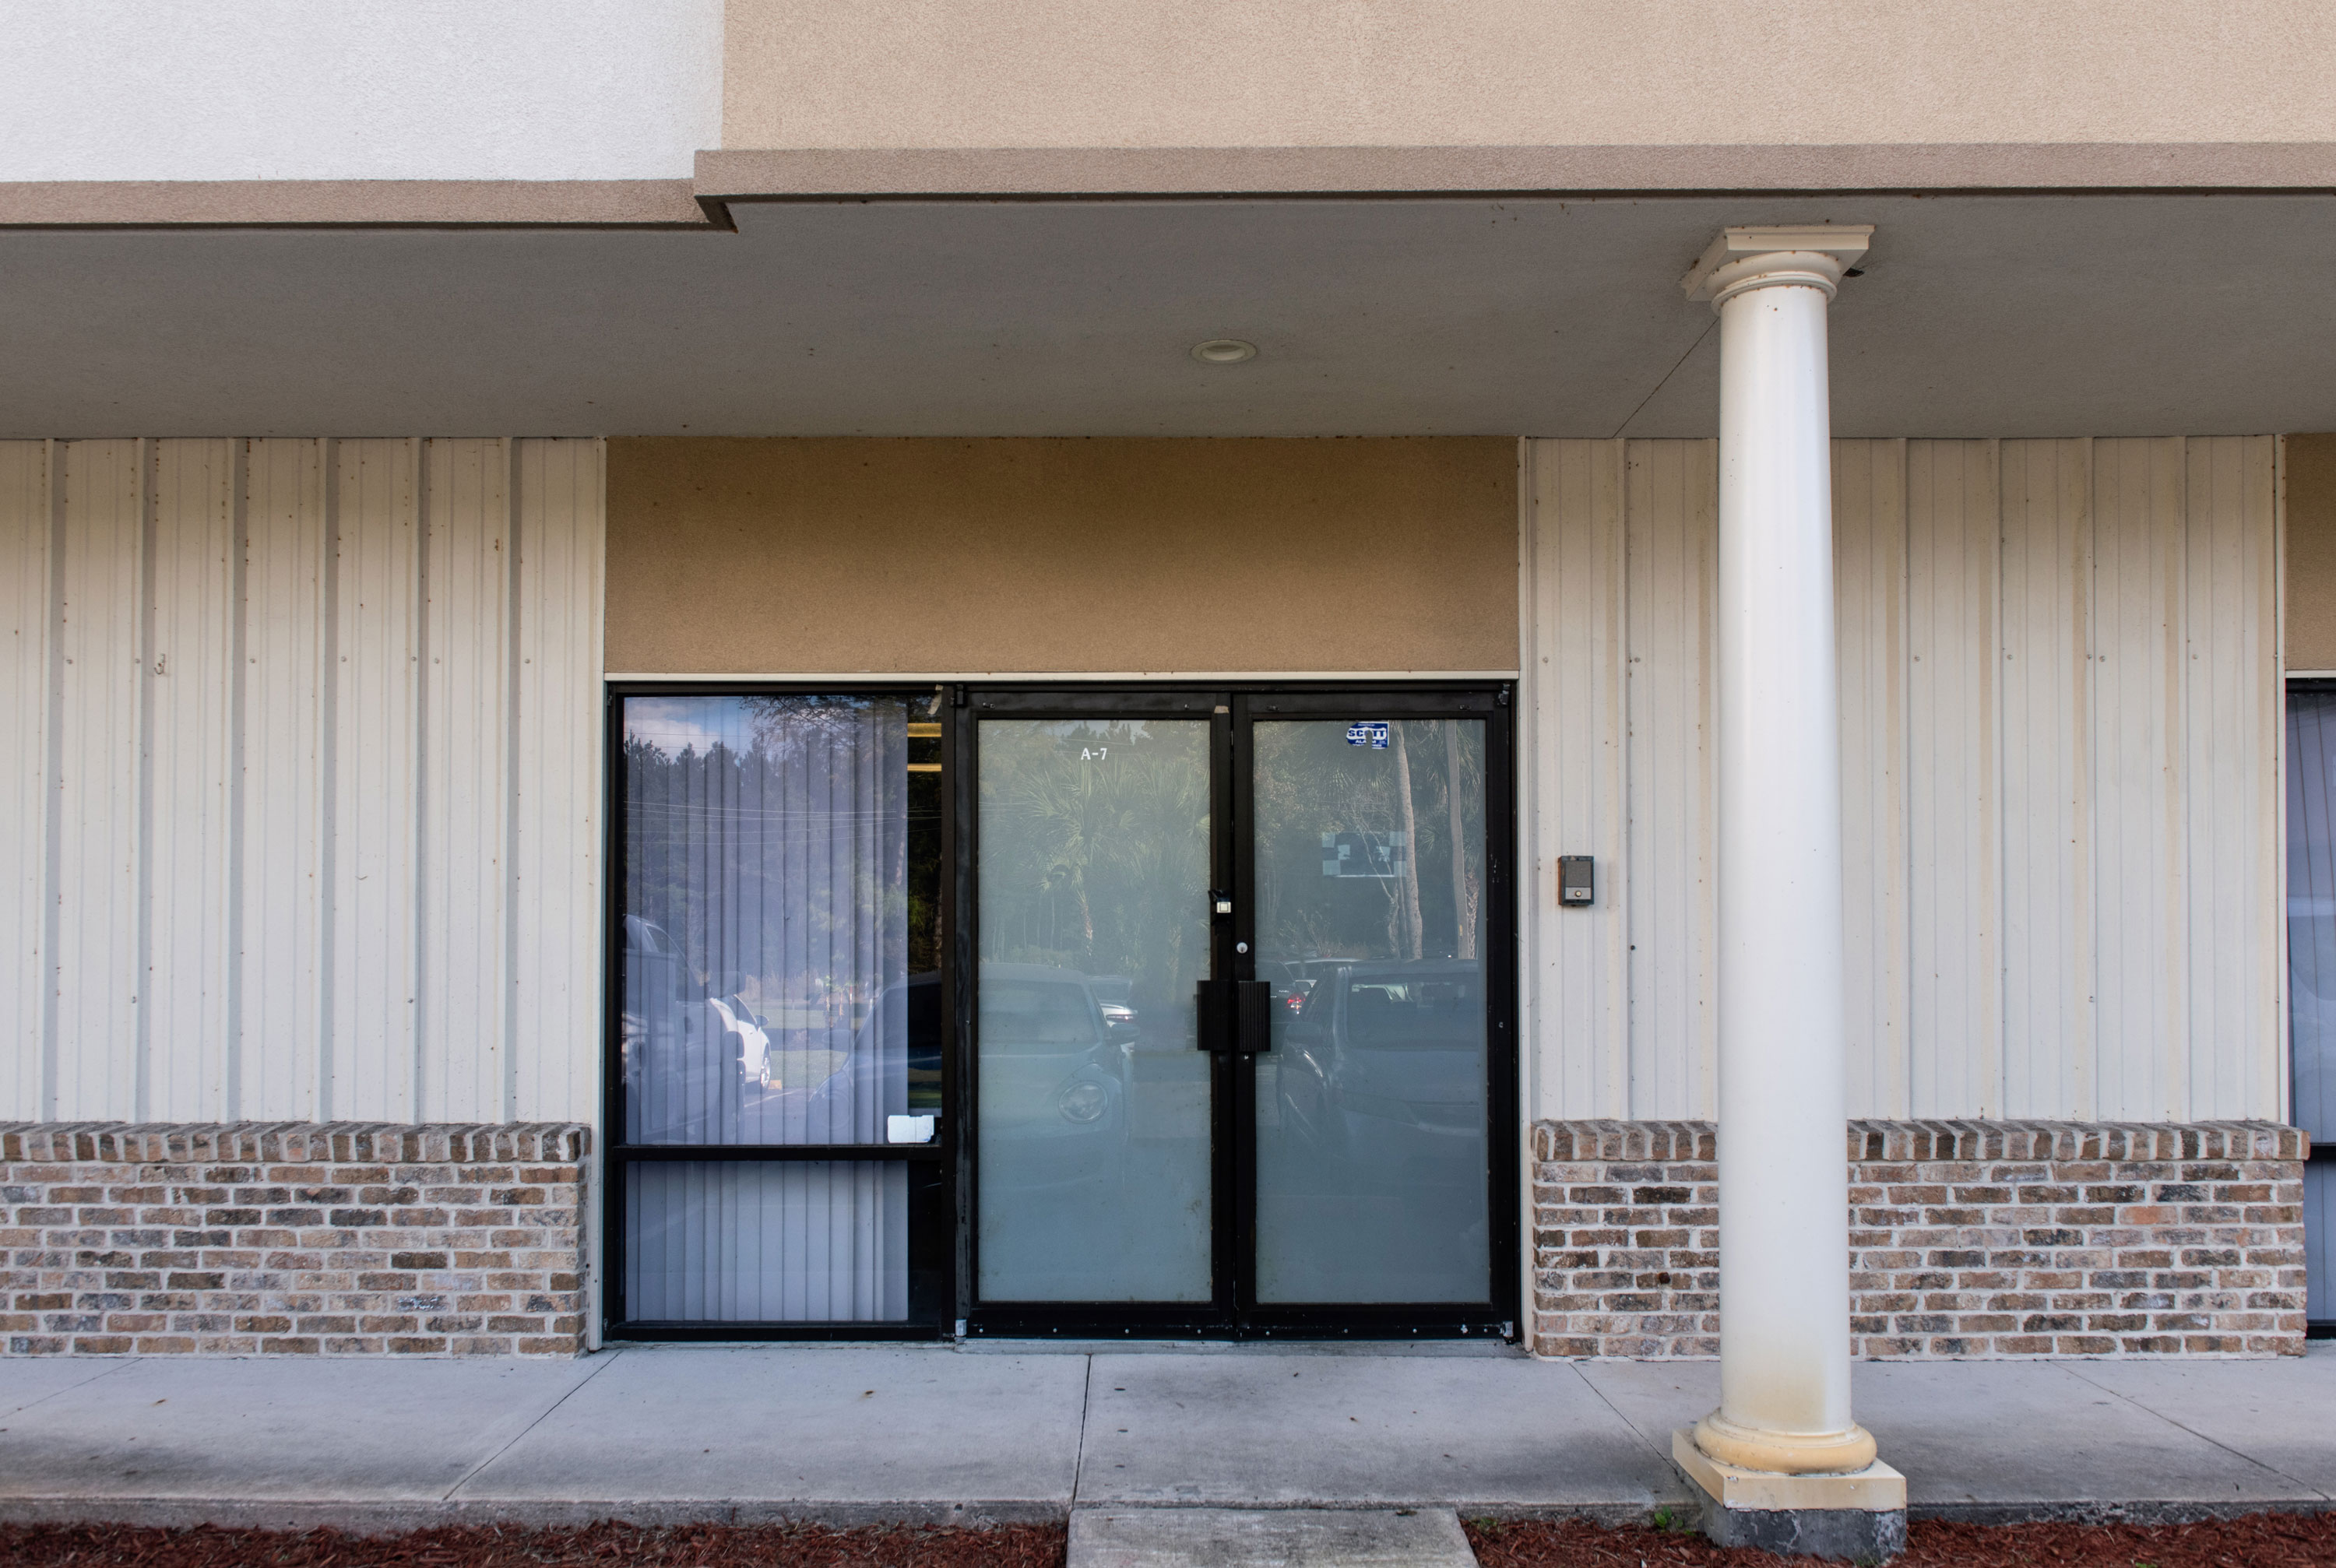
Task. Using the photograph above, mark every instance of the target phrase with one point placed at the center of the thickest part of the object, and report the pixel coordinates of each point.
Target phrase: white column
(1784, 1188)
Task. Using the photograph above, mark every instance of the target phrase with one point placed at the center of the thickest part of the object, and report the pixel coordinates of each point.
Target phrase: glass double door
(1241, 1040)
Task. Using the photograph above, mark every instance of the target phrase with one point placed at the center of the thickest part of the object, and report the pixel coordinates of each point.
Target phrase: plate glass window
(778, 990)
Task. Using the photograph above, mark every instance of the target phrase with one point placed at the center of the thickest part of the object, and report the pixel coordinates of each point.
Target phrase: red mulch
(594, 1547)
(2257, 1541)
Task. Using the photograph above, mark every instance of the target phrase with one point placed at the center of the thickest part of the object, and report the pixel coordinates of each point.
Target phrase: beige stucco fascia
(1106, 171)
(728, 175)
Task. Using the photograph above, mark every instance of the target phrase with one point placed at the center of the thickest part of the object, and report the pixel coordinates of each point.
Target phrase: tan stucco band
(816, 174)
(2307, 586)
(1040, 171)
(1166, 557)
(251, 203)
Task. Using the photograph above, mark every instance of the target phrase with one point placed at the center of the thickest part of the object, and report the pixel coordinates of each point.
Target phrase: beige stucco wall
(2310, 584)
(963, 73)
(941, 556)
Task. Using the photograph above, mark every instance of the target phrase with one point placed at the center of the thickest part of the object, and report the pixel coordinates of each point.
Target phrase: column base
(1859, 1514)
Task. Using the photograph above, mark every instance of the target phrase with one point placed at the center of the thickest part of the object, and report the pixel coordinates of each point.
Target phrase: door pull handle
(1235, 1016)
(1254, 1026)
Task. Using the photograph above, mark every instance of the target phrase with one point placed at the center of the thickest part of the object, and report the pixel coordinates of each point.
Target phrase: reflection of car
(680, 1080)
(1053, 1091)
(894, 1066)
(1292, 978)
(1386, 1062)
(749, 1039)
(1112, 994)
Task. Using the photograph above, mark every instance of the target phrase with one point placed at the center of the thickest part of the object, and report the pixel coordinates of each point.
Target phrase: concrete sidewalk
(853, 1434)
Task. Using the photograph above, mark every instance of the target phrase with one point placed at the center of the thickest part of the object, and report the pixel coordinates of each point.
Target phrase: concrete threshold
(1268, 1538)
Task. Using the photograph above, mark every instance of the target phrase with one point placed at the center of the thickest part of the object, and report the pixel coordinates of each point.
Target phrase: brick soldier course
(1967, 1239)
(291, 1239)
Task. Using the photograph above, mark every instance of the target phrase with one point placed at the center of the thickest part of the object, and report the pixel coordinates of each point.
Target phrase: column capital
(1810, 255)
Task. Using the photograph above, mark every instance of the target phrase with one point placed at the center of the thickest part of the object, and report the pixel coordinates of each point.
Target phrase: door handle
(1236, 1016)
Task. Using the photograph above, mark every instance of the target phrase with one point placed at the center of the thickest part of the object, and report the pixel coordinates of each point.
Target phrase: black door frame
(1233, 708)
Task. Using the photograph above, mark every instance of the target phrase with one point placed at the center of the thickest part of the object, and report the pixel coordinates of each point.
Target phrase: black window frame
(931, 1167)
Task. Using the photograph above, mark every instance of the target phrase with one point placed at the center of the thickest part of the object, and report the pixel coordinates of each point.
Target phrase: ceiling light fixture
(1223, 351)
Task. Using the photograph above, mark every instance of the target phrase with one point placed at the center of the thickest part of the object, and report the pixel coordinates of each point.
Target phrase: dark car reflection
(1054, 1072)
(1382, 1069)
(894, 1065)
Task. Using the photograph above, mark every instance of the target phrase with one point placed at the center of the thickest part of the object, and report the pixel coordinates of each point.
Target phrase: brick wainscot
(1967, 1238)
(296, 1239)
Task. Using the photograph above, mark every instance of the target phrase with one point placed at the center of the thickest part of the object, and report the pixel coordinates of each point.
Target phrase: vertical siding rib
(190, 685)
(2233, 702)
(556, 770)
(281, 1027)
(2048, 701)
(377, 709)
(97, 853)
(465, 702)
(25, 529)
(1953, 867)
(1869, 498)
(1671, 512)
(2138, 852)
(1577, 803)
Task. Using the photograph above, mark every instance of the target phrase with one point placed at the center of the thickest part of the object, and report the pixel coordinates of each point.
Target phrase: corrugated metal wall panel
(191, 692)
(25, 535)
(2141, 866)
(465, 796)
(1671, 530)
(259, 821)
(1954, 864)
(282, 1031)
(2048, 783)
(555, 975)
(376, 1065)
(1578, 960)
(95, 856)
(2062, 853)
(2231, 595)
(1869, 507)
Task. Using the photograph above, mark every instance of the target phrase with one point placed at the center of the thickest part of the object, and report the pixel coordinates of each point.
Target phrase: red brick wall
(250, 1239)
(1967, 1238)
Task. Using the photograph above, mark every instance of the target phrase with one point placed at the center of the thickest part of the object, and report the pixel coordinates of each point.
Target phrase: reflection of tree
(1410, 877)
(1095, 838)
(1428, 785)
(775, 856)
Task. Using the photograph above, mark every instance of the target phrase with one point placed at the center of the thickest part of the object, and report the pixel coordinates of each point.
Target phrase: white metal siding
(2060, 712)
(25, 709)
(302, 811)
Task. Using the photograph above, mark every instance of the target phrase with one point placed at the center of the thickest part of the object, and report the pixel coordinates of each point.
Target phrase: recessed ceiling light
(1223, 351)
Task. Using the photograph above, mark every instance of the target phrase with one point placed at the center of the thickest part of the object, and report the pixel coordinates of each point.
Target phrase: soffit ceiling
(2031, 315)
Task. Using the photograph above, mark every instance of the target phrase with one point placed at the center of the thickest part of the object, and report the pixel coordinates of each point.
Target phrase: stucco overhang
(2102, 309)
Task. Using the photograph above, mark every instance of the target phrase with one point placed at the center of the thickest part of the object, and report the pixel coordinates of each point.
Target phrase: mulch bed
(2258, 1541)
(593, 1546)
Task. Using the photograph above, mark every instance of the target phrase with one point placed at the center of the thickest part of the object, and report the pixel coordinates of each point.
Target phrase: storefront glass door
(1241, 1052)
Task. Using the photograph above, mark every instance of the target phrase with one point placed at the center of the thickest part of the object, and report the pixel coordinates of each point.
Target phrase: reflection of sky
(672, 723)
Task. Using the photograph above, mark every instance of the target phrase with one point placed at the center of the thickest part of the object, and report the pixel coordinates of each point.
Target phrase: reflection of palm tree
(1409, 873)
(1122, 836)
